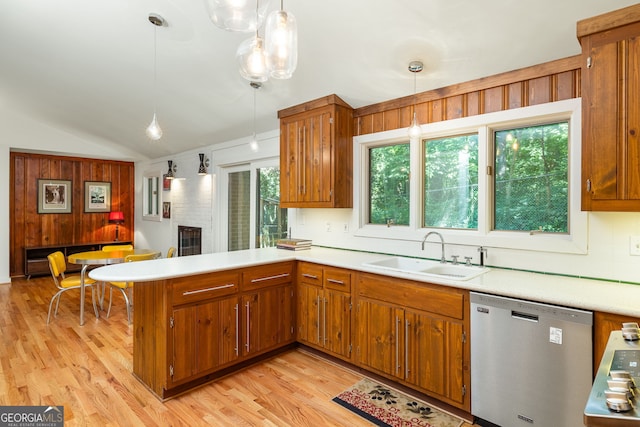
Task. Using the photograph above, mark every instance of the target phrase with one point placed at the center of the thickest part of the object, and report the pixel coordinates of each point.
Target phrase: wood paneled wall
(29, 228)
(548, 82)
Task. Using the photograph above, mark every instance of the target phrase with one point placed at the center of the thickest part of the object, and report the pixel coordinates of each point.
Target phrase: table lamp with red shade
(117, 218)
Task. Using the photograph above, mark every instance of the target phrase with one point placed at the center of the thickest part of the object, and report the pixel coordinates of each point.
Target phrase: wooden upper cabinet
(316, 154)
(611, 111)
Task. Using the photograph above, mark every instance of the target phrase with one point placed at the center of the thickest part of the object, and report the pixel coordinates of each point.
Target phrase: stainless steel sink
(428, 268)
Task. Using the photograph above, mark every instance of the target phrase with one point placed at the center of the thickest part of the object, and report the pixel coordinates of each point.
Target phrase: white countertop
(574, 292)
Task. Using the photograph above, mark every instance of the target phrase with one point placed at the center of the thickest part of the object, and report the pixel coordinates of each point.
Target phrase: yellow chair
(58, 266)
(171, 252)
(111, 248)
(125, 286)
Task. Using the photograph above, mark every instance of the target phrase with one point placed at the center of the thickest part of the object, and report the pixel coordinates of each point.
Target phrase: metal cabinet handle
(319, 319)
(237, 349)
(310, 276)
(199, 291)
(248, 329)
(406, 348)
(338, 282)
(397, 345)
(262, 279)
(324, 321)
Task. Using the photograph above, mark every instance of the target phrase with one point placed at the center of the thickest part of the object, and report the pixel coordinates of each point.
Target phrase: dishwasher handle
(524, 316)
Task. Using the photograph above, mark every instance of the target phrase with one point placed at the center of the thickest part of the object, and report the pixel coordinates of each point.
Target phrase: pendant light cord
(155, 67)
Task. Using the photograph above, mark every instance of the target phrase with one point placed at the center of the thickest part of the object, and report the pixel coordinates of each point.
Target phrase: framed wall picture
(97, 196)
(166, 209)
(166, 183)
(54, 196)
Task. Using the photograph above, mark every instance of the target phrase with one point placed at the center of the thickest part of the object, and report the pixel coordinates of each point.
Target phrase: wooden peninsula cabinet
(611, 110)
(324, 308)
(415, 333)
(190, 328)
(316, 154)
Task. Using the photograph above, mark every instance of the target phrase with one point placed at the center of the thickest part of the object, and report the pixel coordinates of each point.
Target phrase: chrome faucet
(442, 258)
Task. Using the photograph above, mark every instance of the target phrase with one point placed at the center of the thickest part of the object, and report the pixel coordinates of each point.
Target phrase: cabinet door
(183, 361)
(291, 163)
(308, 314)
(336, 326)
(217, 335)
(611, 120)
(316, 173)
(268, 319)
(380, 337)
(434, 354)
(306, 160)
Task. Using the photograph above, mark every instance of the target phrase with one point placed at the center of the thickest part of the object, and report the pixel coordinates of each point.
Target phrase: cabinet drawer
(337, 279)
(267, 275)
(417, 295)
(204, 286)
(310, 274)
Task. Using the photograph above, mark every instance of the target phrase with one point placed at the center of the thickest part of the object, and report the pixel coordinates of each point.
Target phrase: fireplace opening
(189, 240)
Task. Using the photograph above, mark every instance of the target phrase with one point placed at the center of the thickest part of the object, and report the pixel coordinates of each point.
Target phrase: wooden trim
(316, 103)
(608, 21)
(545, 69)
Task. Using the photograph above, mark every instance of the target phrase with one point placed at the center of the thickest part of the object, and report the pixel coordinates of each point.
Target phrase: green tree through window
(532, 178)
(451, 182)
(389, 184)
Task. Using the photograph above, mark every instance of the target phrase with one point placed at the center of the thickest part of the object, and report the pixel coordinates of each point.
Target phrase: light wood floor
(87, 369)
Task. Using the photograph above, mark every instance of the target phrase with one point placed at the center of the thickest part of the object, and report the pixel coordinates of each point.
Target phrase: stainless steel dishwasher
(530, 362)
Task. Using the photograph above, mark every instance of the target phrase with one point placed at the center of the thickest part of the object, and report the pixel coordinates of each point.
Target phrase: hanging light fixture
(236, 15)
(252, 57)
(154, 132)
(281, 43)
(253, 144)
(414, 129)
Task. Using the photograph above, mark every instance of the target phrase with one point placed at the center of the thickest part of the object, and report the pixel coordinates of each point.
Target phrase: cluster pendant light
(275, 55)
(414, 129)
(154, 132)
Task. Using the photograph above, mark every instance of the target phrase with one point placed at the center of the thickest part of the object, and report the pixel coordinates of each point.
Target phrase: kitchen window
(531, 179)
(389, 184)
(450, 182)
(509, 179)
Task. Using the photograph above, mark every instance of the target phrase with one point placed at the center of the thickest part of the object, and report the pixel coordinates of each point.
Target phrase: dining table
(94, 258)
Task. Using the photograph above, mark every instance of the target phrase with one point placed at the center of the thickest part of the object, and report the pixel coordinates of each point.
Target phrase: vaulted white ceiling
(86, 66)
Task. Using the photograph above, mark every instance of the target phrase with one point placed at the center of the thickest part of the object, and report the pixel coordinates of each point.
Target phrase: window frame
(573, 242)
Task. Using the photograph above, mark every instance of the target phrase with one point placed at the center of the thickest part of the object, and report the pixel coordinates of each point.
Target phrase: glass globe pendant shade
(253, 144)
(154, 132)
(237, 15)
(252, 60)
(414, 130)
(281, 44)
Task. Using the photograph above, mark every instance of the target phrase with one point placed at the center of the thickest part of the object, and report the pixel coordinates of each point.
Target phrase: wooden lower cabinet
(204, 337)
(324, 308)
(188, 328)
(415, 333)
(267, 319)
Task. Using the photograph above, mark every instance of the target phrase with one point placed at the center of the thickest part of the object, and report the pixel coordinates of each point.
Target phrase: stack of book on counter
(293, 244)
